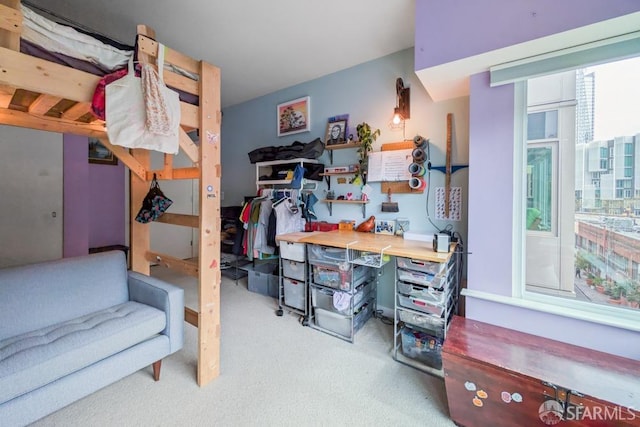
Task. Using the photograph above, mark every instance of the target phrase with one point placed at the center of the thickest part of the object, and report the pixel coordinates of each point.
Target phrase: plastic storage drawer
(425, 293)
(421, 305)
(340, 323)
(423, 347)
(326, 299)
(293, 251)
(326, 255)
(429, 267)
(293, 269)
(344, 280)
(433, 325)
(294, 293)
(421, 278)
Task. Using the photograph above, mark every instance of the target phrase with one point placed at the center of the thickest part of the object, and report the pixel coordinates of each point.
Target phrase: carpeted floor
(273, 372)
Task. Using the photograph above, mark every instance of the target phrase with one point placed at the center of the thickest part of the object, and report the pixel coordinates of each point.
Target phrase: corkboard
(398, 186)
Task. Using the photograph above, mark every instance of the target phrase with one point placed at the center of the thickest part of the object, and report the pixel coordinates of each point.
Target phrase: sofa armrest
(163, 296)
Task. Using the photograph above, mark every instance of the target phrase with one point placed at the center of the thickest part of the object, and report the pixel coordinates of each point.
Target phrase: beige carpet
(273, 372)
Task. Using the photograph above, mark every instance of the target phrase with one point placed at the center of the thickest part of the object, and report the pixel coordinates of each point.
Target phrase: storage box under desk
(501, 377)
(261, 279)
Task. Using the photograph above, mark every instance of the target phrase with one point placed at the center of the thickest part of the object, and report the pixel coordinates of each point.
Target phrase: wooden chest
(501, 377)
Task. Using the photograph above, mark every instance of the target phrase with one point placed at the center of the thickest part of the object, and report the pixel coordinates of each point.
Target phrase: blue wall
(367, 93)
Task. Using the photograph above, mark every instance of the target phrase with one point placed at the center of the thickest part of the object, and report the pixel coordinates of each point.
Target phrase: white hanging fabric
(158, 119)
(126, 115)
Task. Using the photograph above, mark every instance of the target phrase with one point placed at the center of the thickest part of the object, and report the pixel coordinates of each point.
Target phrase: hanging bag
(126, 116)
(154, 204)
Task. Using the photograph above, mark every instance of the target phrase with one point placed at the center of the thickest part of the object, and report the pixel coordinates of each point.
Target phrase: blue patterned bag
(154, 204)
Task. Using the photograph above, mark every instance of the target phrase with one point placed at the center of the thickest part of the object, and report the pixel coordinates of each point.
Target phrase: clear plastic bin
(337, 278)
(433, 325)
(429, 267)
(326, 255)
(423, 347)
(341, 323)
(425, 293)
(421, 305)
(421, 278)
(324, 298)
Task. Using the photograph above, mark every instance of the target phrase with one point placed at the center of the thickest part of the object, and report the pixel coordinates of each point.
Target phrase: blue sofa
(72, 326)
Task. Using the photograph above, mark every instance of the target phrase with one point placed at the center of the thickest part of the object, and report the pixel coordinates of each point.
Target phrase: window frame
(597, 313)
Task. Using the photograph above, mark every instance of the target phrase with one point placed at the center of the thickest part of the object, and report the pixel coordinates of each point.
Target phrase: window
(581, 237)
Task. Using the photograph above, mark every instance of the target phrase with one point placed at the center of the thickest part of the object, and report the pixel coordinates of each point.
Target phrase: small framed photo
(336, 132)
(385, 226)
(337, 128)
(99, 154)
(294, 116)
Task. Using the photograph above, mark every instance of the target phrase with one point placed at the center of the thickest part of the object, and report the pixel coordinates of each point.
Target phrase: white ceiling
(261, 46)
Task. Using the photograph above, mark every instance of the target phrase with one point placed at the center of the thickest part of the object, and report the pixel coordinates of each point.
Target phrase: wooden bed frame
(38, 94)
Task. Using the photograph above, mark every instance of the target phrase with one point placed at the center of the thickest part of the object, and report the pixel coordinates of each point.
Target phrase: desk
(410, 311)
(370, 242)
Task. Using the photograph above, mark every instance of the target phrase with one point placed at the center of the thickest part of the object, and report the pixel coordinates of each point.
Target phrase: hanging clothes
(288, 217)
(261, 243)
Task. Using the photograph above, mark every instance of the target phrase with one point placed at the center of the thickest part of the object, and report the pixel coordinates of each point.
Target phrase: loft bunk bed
(39, 94)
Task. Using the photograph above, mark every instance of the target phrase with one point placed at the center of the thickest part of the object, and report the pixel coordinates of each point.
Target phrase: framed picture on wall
(294, 116)
(336, 132)
(99, 154)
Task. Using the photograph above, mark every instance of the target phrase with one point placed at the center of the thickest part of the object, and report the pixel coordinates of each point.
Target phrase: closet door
(31, 194)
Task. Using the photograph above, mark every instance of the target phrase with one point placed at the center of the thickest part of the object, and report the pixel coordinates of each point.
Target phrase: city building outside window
(581, 188)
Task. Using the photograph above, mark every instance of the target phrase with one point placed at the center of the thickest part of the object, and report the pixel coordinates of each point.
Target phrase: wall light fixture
(401, 111)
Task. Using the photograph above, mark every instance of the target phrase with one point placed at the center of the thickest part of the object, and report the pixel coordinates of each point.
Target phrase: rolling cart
(293, 288)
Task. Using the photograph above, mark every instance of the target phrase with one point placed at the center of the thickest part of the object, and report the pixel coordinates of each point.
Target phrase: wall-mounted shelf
(330, 148)
(267, 166)
(328, 175)
(330, 202)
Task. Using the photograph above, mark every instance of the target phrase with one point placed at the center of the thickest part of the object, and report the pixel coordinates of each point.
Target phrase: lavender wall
(455, 29)
(93, 200)
(75, 187)
(491, 188)
(106, 205)
(446, 31)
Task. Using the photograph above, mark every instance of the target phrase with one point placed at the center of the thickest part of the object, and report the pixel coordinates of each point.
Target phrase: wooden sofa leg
(156, 370)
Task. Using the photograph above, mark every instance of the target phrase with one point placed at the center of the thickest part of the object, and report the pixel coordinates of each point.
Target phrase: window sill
(626, 319)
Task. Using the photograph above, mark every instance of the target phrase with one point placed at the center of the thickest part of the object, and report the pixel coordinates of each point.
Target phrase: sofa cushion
(34, 359)
(38, 295)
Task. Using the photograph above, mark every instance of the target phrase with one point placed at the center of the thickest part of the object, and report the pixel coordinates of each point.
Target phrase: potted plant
(367, 137)
(598, 283)
(633, 298)
(590, 278)
(615, 292)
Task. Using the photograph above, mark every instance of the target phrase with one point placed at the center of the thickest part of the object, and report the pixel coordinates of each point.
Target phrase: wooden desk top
(381, 243)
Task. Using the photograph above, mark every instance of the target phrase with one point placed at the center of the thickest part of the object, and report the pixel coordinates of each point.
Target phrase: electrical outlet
(222, 195)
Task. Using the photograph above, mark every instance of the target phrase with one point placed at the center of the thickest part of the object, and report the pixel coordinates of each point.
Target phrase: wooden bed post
(10, 37)
(209, 173)
(140, 234)
(209, 259)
